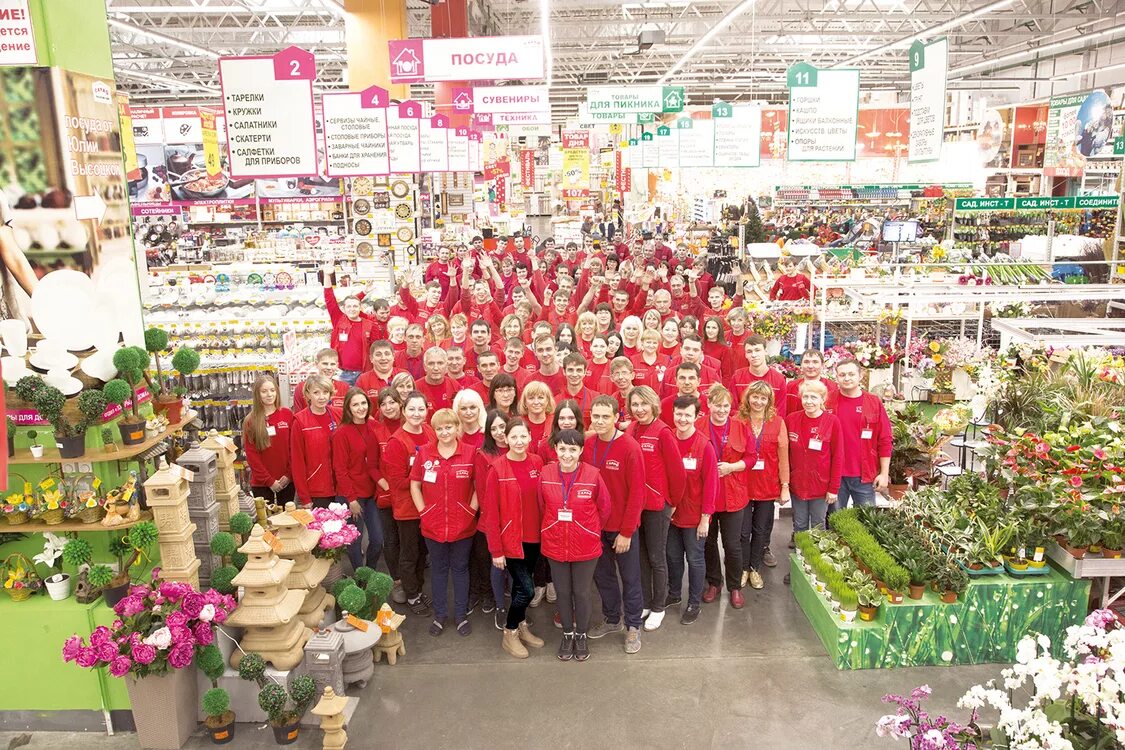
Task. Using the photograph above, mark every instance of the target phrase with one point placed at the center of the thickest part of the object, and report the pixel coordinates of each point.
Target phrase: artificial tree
(70, 435)
(130, 362)
(224, 545)
(283, 709)
(216, 701)
(78, 553)
(167, 391)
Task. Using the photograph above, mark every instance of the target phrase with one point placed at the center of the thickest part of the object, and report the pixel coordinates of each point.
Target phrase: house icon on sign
(407, 63)
(463, 102)
(673, 101)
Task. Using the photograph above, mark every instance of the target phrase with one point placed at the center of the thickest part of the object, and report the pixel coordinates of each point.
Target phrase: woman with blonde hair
(631, 328)
(511, 327)
(265, 438)
(459, 330)
(469, 408)
(767, 480)
(650, 364)
(651, 320)
(310, 445)
(437, 330)
(537, 404)
(403, 383)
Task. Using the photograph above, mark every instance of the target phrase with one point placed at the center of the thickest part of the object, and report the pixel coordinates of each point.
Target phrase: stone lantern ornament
(330, 709)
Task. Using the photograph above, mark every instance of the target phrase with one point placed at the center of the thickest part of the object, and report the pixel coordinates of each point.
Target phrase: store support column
(369, 25)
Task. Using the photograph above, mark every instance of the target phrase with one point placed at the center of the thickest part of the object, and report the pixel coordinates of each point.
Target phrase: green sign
(1119, 145)
(645, 118)
(632, 141)
(917, 56)
(1045, 203)
(800, 75)
(646, 136)
(684, 123)
(664, 130)
(673, 97)
(721, 109)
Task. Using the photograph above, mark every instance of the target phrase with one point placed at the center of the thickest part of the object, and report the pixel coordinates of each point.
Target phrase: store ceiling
(166, 50)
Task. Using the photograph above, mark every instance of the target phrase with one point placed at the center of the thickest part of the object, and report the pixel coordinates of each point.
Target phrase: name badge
(566, 515)
(760, 465)
(430, 476)
(412, 460)
(271, 430)
(866, 434)
(690, 463)
(343, 336)
(814, 444)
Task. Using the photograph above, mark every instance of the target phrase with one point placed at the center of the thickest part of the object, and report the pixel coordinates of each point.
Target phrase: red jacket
(355, 459)
(765, 483)
(411, 364)
(664, 476)
(814, 472)
(371, 384)
(702, 471)
(310, 454)
(383, 432)
(272, 463)
(438, 396)
(482, 468)
(585, 398)
(398, 459)
(335, 404)
(350, 338)
(589, 505)
(447, 493)
(742, 379)
(735, 443)
(502, 508)
(622, 466)
(866, 434)
(667, 413)
(650, 375)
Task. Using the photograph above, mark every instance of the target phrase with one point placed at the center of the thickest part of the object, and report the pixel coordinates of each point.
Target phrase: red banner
(627, 181)
(576, 139)
(498, 168)
(527, 168)
(502, 190)
(618, 174)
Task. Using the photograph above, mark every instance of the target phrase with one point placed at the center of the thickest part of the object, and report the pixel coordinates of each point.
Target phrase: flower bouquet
(21, 580)
(336, 531)
(953, 420)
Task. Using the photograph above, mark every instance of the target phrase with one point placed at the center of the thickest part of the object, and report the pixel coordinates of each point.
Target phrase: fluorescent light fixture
(173, 83)
(545, 32)
(933, 31)
(163, 38)
(703, 41)
(1015, 58)
(1090, 72)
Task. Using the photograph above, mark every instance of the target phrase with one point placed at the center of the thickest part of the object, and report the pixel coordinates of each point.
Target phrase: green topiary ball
(77, 552)
(272, 700)
(241, 524)
(209, 660)
(27, 386)
(303, 692)
(252, 667)
(156, 340)
(185, 360)
(379, 590)
(49, 402)
(222, 579)
(100, 576)
(238, 559)
(216, 702)
(352, 599)
(342, 585)
(363, 575)
(92, 405)
(143, 534)
(117, 391)
(131, 362)
(222, 544)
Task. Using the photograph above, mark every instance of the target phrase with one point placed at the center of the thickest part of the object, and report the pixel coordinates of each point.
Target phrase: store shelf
(1091, 566)
(51, 455)
(68, 526)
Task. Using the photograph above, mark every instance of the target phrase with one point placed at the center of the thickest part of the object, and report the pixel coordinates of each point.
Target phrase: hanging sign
(667, 147)
(476, 151)
(434, 143)
(737, 128)
(466, 59)
(575, 182)
(18, 47)
(507, 99)
(403, 136)
(576, 139)
(269, 111)
(148, 125)
(1079, 126)
(521, 118)
(1046, 203)
(527, 168)
(586, 117)
(646, 99)
(211, 158)
(458, 150)
(823, 113)
(181, 125)
(627, 181)
(697, 142)
(355, 133)
(927, 99)
(650, 155)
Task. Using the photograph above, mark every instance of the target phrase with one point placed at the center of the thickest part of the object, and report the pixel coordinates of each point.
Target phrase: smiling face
(469, 414)
(587, 327)
(536, 403)
(545, 352)
(318, 399)
(415, 412)
(497, 431)
(684, 419)
(404, 387)
(505, 397)
(488, 366)
(720, 410)
(446, 433)
(267, 393)
(847, 376)
(480, 335)
(390, 409)
(455, 358)
(670, 332)
(351, 308)
(568, 456)
(711, 329)
(641, 409)
(599, 348)
(811, 367)
(651, 320)
(518, 440)
(457, 330)
(812, 402)
(512, 329)
(568, 420)
(328, 366)
(513, 355)
(662, 301)
(574, 373)
(359, 406)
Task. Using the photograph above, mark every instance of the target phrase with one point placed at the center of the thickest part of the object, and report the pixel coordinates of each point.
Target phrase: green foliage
(143, 534)
(847, 524)
(754, 230)
(100, 576)
(117, 391)
(131, 362)
(49, 402)
(848, 598)
(209, 660)
(363, 575)
(223, 545)
(284, 708)
(27, 386)
(77, 552)
(303, 692)
(341, 586)
(953, 578)
(378, 591)
(156, 340)
(352, 599)
(92, 404)
(241, 524)
(252, 668)
(32, 435)
(222, 579)
(216, 702)
(238, 559)
(11, 429)
(185, 361)
(272, 699)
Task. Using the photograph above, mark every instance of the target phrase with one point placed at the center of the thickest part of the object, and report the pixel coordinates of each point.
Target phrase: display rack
(1093, 566)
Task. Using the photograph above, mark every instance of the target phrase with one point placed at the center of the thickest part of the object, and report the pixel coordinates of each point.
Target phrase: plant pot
(949, 597)
(941, 397)
(1017, 564)
(36, 451)
(165, 708)
(286, 735)
(114, 594)
(868, 614)
(1034, 564)
(896, 491)
(132, 433)
(1076, 552)
(221, 728)
(58, 586)
(172, 408)
(847, 615)
(71, 447)
(916, 591)
(1110, 554)
(882, 586)
(1095, 548)
(894, 597)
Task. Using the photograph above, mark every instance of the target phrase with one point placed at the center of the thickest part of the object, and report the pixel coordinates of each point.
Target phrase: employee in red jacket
(310, 445)
(812, 368)
(355, 460)
(328, 367)
(441, 487)
(510, 517)
(728, 437)
(487, 583)
(436, 386)
(618, 576)
(767, 480)
(866, 432)
(351, 334)
(399, 458)
(815, 459)
(664, 486)
(790, 285)
(758, 369)
(691, 519)
(385, 424)
(265, 438)
(573, 504)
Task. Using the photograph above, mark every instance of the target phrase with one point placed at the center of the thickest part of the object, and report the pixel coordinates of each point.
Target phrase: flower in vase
(160, 639)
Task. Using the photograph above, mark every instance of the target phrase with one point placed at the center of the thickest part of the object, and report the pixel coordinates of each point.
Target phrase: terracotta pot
(916, 591)
(172, 408)
(221, 728)
(867, 614)
(164, 708)
(949, 597)
(1110, 554)
(896, 491)
(976, 566)
(132, 433)
(1076, 552)
(895, 597)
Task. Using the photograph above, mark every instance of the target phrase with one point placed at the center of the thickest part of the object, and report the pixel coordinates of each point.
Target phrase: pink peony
(101, 634)
(192, 604)
(120, 666)
(130, 606)
(182, 634)
(143, 654)
(174, 591)
(118, 624)
(72, 648)
(204, 636)
(106, 651)
(176, 620)
(87, 658)
(181, 656)
(156, 573)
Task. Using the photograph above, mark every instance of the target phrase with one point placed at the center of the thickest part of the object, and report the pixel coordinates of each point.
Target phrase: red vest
(588, 503)
(502, 509)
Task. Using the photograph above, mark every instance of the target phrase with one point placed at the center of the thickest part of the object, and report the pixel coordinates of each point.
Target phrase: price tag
(97, 483)
(47, 484)
(357, 623)
(1039, 552)
(302, 517)
(272, 541)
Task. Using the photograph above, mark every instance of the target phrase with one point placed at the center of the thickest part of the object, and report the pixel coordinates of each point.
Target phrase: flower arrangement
(21, 580)
(953, 420)
(872, 355)
(771, 324)
(159, 628)
(801, 314)
(1010, 309)
(336, 531)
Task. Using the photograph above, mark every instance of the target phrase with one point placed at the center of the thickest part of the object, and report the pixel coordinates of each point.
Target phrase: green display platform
(984, 625)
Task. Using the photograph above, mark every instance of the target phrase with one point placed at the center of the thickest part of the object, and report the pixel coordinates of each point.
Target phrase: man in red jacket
(438, 389)
(691, 350)
(574, 370)
(488, 366)
(549, 370)
(410, 358)
(455, 360)
(480, 338)
(687, 384)
(759, 369)
(866, 432)
(351, 334)
(382, 356)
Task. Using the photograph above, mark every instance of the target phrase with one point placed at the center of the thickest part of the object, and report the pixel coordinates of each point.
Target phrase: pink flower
(120, 666)
(156, 573)
(181, 634)
(100, 635)
(118, 624)
(192, 604)
(87, 658)
(143, 654)
(204, 636)
(176, 620)
(181, 656)
(174, 591)
(72, 648)
(1076, 481)
(106, 651)
(1099, 454)
(130, 606)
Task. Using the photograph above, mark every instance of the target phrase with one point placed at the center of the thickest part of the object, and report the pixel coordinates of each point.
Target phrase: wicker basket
(53, 517)
(32, 581)
(22, 516)
(83, 488)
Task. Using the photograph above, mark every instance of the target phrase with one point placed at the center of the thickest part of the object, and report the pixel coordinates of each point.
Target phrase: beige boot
(512, 645)
(528, 637)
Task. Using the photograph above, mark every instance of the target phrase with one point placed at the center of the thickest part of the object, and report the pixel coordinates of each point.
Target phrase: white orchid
(52, 549)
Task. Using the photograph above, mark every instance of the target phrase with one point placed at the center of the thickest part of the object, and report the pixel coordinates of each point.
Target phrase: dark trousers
(542, 572)
(450, 558)
(654, 557)
(612, 591)
(572, 584)
(322, 502)
(390, 540)
(757, 525)
(279, 498)
(485, 579)
(411, 562)
(729, 526)
(523, 585)
(685, 543)
(370, 522)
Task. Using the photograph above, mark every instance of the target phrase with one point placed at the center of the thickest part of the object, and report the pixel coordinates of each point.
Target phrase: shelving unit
(70, 526)
(51, 455)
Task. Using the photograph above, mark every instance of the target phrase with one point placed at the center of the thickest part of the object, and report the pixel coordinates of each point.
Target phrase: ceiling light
(1091, 71)
(164, 38)
(710, 34)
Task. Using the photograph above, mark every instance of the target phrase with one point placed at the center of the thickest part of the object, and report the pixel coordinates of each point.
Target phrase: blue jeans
(628, 566)
(685, 543)
(808, 513)
(446, 557)
(349, 376)
(858, 492)
(370, 521)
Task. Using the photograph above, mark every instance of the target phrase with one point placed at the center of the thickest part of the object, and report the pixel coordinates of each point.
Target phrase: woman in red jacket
(650, 365)
(735, 454)
(486, 583)
(568, 416)
(573, 504)
(310, 445)
(355, 460)
(399, 458)
(265, 438)
(384, 425)
(715, 344)
(441, 487)
(510, 517)
(664, 484)
(691, 519)
(537, 405)
(767, 481)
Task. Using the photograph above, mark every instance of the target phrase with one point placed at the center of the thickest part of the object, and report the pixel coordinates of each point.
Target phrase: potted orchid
(58, 584)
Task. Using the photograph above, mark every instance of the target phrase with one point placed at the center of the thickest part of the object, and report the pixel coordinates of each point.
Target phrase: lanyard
(597, 442)
(567, 486)
(758, 438)
(719, 440)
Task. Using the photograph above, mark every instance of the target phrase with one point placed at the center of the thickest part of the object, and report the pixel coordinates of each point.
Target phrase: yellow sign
(615, 128)
(128, 145)
(575, 172)
(211, 155)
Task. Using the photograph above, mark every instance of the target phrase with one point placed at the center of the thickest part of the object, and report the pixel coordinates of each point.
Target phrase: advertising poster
(1079, 126)
(575, 181)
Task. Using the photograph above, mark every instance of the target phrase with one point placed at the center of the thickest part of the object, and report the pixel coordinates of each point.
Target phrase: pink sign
(374, 97)
(466, 59)
(294, 64)
(462, 100)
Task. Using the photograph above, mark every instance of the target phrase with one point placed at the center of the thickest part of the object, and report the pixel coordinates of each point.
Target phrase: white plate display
(61, 307)
(39, 361)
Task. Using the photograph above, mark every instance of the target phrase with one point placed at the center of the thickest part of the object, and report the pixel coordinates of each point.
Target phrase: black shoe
(419, 605)
(464, 627)
(786, 579)
(501, 618)
(581, 647)
(437, 627)
(672, 601)
(690, 615)
(792, 542)
(566, 647)
(488, 607)
(473, 602)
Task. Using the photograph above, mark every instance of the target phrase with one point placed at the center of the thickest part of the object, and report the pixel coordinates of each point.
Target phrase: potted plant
(70, 436)
(849, 603)
(1081, 531)
(952, 580)
(78, 553)
(107, 440)
(128, 549)
(869, 599)
(26, 388)
(11, 437)
(918, 568)
(130, 362)
(58, 583)
(1113, 538)
(897, 580)
(220, 719)
(992, 542)
(284, 709)
(36, 447)
(223, 545)
(168, 391)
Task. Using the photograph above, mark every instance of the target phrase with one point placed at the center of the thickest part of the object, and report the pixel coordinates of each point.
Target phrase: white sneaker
(654, 620)
(536, 600)
(645, 613)
(551, 595)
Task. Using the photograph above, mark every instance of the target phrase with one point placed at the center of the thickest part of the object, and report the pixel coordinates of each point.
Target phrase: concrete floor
(758, 676)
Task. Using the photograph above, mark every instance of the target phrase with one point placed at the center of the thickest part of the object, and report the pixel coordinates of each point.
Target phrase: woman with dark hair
(568, 416)
(486, 583)
(265, 438)
(565, 335)
(355, 460)
(386, 423)
(715, 345)
(574, 504)
(603, 314)
(502, 394)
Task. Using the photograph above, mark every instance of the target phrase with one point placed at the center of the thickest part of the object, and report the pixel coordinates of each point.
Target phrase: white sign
(738, 137)
(927, 99)
(458, 149)
(668, 149)
(270, 120)
(635, 98)
(17, 40)
(182, 125)
(148, 127)
(403, 140)
(823, 114)
(434, 142)
(511, 99)
(355, 137)
(466, 59)
(697, 144)
(521, 118)
(476, 160)
(650, 153)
